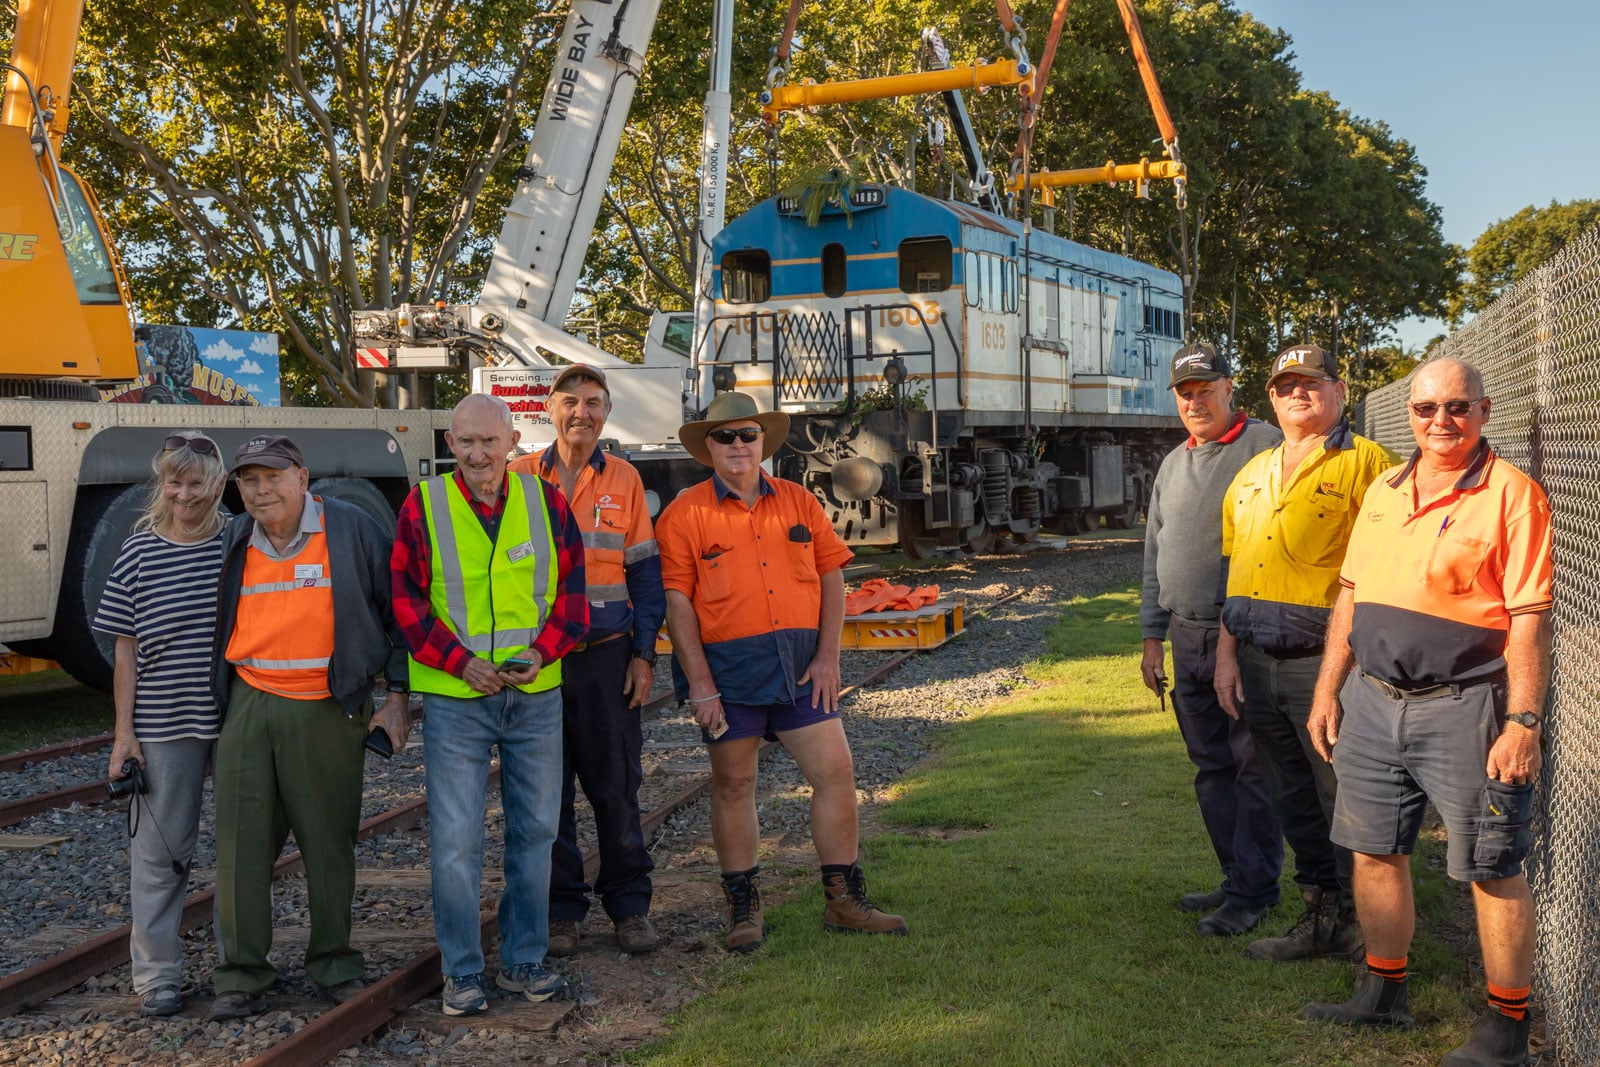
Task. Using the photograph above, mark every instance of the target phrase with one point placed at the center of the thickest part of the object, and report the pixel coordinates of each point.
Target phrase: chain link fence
(1538, 348)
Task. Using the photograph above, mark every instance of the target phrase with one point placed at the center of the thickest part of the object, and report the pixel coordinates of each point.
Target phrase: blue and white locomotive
(950, 379)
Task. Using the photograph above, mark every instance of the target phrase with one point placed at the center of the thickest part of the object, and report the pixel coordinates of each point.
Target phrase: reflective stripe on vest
(282, 639)
(495, 596)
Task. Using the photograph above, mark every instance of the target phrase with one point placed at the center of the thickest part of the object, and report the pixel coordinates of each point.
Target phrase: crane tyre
(363, 494)
(102, 519)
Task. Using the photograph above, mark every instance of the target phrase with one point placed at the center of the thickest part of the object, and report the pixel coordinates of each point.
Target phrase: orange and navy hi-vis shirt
(622, 564)
(282, 638)
(753, 575)
(1436, 582)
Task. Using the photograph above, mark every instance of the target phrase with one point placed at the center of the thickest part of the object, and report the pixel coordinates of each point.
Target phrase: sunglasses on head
(202, 446)
(1456, 409)
(748, 434)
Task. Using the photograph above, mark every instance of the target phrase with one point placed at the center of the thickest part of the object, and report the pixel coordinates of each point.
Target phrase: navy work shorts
(768, 720)
(1395, 755)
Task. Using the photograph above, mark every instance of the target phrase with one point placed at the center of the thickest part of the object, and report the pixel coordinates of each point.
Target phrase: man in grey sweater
(1182, 573)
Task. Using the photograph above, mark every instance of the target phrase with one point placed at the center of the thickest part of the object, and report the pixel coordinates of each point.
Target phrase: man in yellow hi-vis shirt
(1285, 522)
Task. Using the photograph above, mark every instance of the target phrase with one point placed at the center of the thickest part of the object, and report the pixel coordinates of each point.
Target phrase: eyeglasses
(1456, 409)
(1287, 386)
(202, 446)
(748, 434)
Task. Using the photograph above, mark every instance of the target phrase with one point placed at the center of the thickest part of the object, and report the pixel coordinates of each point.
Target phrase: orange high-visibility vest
(283, 632)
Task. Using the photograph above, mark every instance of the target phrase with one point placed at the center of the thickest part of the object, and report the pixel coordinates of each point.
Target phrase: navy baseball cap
(1198, 363)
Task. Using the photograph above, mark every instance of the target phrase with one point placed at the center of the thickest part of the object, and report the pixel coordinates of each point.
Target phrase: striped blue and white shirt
(164, 595)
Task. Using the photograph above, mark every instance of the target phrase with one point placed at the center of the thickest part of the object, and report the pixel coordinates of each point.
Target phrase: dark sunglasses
(1287, 386)
(1456, 409)
(748, 434)
(201, 446)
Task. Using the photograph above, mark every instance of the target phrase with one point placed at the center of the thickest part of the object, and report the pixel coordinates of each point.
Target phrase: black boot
(1497, 1041)
(1378, 1002)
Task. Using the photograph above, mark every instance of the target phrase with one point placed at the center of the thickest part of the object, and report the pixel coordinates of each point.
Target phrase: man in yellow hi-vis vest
(488, 584)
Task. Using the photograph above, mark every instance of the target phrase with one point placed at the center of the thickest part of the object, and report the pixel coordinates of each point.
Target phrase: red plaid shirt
(431, 641)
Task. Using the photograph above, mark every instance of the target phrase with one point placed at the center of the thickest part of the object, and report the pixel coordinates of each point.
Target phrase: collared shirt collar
(597, 458)
(1476, 471)
(1230, 435)
(466, 490)
(310, 523)
(723, 492)
(1340, 437)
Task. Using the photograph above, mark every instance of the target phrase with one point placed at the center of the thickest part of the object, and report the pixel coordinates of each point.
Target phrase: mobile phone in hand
(515, 664)
(378, 741)
(717, 729)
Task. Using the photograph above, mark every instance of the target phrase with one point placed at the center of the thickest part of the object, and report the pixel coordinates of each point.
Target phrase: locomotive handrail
(933, 351)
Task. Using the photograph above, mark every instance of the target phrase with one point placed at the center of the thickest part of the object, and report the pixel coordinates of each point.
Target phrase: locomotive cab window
(747, 276)
(925, 265)
(833, 260)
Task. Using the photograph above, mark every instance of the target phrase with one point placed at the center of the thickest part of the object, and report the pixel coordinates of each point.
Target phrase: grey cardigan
(368, 642)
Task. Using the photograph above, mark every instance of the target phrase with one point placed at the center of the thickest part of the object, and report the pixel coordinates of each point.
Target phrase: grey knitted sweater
(1183, 541)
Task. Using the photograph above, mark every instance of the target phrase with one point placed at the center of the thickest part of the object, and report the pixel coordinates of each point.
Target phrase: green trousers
(285, 765)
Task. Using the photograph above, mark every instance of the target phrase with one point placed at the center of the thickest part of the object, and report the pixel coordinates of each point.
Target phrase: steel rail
(71, 967)
(17, 761)
(15, 811)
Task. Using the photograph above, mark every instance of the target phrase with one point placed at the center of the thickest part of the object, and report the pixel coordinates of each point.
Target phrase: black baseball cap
(1310, 360)
(1198, 363)
(268, 450)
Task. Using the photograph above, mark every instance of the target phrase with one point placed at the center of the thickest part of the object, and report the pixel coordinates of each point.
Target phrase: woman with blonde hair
(161, 604)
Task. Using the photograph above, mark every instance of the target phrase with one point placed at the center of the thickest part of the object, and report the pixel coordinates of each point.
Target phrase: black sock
(730, 876)
(841, 869)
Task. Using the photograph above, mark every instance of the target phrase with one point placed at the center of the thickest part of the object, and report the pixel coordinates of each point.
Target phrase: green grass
(1039, 859)
(43, 708)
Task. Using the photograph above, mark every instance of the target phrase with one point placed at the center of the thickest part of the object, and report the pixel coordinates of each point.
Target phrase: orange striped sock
(1512, 1003)
(1389, 970)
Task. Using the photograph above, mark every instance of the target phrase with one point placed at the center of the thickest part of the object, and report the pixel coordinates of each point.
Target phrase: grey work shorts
(1395, 755)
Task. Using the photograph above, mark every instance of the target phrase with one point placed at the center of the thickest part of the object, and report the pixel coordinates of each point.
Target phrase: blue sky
(1498, 99)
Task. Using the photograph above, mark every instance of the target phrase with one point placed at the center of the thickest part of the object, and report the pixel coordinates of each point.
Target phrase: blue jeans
(458, 738)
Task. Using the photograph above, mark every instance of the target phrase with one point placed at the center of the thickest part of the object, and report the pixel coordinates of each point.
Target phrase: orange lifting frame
(781, 98)
(1142, 171)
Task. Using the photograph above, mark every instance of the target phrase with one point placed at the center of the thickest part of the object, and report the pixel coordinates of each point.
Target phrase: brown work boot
(563, 938)
(848, 910)
(1323, 929)
(746, 928)
(636, 935)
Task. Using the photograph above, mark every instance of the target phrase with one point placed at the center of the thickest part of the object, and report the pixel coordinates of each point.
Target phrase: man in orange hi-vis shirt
(296, 569)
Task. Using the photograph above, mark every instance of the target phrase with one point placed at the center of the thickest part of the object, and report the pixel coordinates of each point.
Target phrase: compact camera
(132, 781)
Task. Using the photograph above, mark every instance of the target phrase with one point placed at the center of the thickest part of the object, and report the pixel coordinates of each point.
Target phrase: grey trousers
(176, 773)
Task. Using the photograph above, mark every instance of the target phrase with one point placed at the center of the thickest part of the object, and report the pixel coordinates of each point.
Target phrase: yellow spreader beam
(781, 98)
(1142, 171)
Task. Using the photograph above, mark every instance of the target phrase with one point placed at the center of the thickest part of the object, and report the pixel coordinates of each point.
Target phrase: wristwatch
(649, 658)
(395, 688)
(1525, 718)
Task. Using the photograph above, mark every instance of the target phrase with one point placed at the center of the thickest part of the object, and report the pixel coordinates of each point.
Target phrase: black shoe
(1377, 1002)
(1203, 901)
(1231, 920)
(1497, 1041)
(1323, 929)
(236, 1004)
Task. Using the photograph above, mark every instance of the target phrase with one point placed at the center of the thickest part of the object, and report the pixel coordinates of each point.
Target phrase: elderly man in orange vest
(296, 569)
(607, 677)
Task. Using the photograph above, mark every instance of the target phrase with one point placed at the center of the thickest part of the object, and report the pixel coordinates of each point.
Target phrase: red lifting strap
(1008, 18)
(1147, 72)
(789, 23)
(1057, 22)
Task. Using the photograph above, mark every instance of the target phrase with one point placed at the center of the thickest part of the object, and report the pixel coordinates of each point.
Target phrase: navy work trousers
(1277, 706)
(1234, 803)
(602, 743)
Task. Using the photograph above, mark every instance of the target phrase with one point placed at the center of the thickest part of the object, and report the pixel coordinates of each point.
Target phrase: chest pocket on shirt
(802, 554)
(714, 573)
(1454, 563)
(1318, 536)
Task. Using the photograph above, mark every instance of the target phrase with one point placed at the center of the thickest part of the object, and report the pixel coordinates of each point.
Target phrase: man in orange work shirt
(755, 605)
(1444, 616)
(602, 737)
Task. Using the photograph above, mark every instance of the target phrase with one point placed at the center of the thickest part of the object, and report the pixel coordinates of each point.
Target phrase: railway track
(405, 982)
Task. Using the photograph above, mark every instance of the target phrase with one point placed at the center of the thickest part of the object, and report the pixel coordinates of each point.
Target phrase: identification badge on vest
(307, 572)
(522, 551)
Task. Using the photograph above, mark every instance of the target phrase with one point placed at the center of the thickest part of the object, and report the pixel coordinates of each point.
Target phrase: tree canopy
(277, 167)
(1513, 248)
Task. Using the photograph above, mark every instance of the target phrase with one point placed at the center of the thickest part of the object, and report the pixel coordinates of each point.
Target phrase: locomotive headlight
(722, 379)
(894, 371)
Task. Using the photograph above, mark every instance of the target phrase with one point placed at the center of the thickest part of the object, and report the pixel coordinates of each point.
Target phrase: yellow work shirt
(1283, 541)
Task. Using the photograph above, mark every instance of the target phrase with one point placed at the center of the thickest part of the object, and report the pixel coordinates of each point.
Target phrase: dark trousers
(1234, 803)
(602, 742)
(1277, 704)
